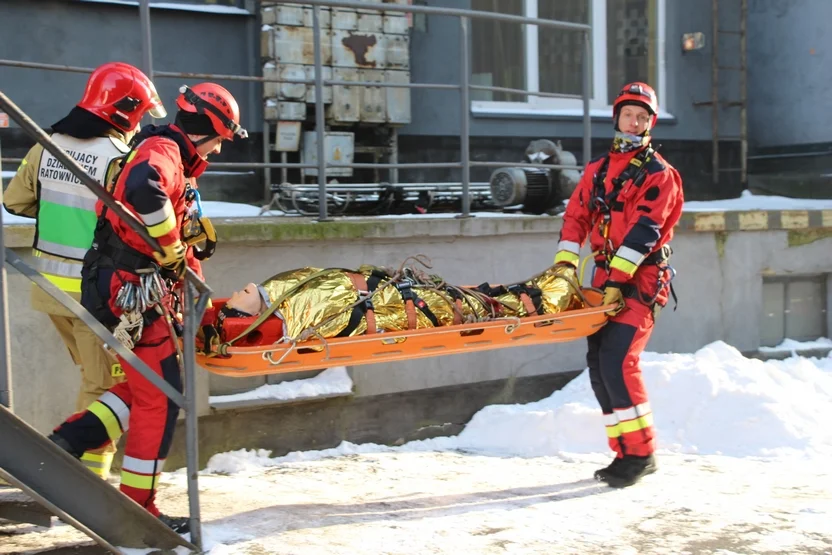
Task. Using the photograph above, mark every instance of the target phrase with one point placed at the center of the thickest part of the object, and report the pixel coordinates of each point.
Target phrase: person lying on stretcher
(307, 303)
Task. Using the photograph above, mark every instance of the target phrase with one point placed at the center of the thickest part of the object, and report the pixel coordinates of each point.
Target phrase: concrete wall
(789, 51)
(720, 267)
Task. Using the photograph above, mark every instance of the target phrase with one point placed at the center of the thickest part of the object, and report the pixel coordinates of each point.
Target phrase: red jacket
(641, 223)
(152, 186)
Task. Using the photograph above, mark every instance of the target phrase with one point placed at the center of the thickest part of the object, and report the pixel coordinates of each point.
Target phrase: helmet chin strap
(204, 139)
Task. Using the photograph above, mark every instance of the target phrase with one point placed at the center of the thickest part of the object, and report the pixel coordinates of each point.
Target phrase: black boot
(628, 471)
(601, 474)
(179, 524)
(61, 442)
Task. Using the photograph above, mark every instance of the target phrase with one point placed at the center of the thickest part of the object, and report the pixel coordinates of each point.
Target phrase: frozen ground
(744, 468)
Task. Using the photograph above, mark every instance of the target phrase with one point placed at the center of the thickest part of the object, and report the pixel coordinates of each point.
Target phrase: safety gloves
(613, 296)
(200, 234)
(172, 258)
(566, 257)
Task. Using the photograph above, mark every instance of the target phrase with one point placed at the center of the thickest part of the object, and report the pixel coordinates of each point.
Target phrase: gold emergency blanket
(324, 300)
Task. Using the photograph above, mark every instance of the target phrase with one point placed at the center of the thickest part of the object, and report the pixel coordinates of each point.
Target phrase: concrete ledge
(290, 229)
(391, 419)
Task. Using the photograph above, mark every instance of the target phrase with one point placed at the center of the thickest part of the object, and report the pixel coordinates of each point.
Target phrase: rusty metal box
(295, 45)
(395, 24)
(370, 21)
(346, 100)
(373, 99)
(344, 19)
(310, 89)
(296, 15)
(325, 18)
(275, 110)
(285, 91)
(397, 55)
(358, 50)
(397, 99)
(339, 148)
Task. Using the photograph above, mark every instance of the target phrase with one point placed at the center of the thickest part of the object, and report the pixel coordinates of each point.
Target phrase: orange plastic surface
(317, 354)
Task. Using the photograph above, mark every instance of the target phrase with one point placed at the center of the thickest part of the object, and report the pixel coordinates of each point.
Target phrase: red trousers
(139, 406)
(613, 356)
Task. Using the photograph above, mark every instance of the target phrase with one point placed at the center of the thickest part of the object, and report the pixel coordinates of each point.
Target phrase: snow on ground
(744, 449)
(330, 382)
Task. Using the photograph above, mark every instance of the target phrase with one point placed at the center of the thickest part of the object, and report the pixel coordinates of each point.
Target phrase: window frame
(598, 103)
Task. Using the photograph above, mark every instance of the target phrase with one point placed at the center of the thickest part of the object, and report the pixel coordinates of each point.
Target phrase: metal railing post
(193, 310)
(147, 52)
(586, 93)
(319, 111)
(5, 344)
(465, 114)
(267, 172)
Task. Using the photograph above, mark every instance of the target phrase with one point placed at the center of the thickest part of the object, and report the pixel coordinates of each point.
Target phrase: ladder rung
(733, 103)
(731, 68)
(729, 138)
(730, 169)
(703, 103)
(729, 32)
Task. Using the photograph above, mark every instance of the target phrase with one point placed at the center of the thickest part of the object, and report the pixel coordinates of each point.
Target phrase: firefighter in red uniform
(627, 202)
(134, 291)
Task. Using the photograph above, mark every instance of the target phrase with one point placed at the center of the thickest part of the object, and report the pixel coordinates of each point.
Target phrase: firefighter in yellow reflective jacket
(95, 134)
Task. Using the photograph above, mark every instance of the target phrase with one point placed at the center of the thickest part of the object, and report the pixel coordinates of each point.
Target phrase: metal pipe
(394, 155)
(226, 77)
(744, 94)
(6, 397)
(586, 94)
(147, 43)
(267, 171)
(526, 165)
(319, 112)
(430, 10)
(257, 165)
(192, 314)
(715, 93)
(464, 114)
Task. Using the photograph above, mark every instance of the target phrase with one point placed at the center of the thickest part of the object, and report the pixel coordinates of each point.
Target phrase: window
(626, 40)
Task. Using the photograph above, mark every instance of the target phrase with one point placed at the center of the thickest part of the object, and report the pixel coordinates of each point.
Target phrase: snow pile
(711, 402)
(332, 381)
(714, 401)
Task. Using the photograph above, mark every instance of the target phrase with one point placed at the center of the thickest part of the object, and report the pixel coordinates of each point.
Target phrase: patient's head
(251, 301)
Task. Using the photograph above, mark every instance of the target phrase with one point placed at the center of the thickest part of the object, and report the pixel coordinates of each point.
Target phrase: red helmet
(640, 93)
(121, 94)
(215, 102)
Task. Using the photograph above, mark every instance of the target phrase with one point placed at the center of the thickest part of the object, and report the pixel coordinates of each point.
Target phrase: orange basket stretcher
(317, 354)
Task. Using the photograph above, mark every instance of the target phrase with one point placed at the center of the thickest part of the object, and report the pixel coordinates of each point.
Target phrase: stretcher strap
(458, 311)
(528, 304)
(360, 284)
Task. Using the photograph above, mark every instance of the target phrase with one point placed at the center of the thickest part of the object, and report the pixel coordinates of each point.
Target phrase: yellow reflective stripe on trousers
(106, 416)
(138, 481)
(637, 424)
